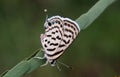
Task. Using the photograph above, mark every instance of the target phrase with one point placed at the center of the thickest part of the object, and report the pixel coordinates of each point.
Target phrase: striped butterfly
(59, 34)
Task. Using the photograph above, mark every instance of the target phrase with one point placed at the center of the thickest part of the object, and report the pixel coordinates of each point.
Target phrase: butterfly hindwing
(71, 30)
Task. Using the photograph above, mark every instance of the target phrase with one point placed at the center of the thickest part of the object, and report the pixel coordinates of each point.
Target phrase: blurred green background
(95, 53)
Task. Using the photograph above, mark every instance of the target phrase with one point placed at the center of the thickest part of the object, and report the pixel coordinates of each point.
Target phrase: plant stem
(87, 18)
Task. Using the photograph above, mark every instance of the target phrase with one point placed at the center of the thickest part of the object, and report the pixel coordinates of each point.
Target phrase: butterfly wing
(59, 34)
(71, 30)
(52, 37)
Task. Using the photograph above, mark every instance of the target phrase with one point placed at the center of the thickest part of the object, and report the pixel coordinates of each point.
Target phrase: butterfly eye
(49, 24)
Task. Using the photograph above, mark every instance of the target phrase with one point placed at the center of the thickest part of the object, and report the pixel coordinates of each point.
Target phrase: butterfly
(59, 33)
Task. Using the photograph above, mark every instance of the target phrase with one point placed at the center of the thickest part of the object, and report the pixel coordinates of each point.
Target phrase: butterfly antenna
(64, 65)
(45, 10)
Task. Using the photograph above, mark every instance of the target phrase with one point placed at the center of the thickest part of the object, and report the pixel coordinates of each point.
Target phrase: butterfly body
(59, 34)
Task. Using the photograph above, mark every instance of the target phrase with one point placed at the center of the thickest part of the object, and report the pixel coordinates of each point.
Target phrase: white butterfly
(59, 34)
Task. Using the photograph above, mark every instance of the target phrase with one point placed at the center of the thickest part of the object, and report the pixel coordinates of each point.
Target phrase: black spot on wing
(49, 35)
(65, 35)
(48, 42)
(45, 40)
(53, 38)
(70, 26)
(53, 32)
(62, 45)
(56, 31)
(53, 22)
(66, 42)
(58, 38)
(45, 45)
(70, 36)
(58, 22)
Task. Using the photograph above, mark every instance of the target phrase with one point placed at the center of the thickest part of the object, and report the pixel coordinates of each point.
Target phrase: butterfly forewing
(53, 36)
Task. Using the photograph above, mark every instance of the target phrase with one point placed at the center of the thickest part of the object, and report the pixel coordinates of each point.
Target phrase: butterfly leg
(58, 67)
(41, 58)
(64, 64)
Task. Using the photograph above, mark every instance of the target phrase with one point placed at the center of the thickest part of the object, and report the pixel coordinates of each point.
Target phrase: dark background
(95, 53)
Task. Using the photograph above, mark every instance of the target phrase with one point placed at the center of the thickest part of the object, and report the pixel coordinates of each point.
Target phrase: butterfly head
(55, 20)
(48, 24)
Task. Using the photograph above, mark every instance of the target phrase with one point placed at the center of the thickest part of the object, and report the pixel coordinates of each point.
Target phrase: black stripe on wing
(51, 49)
(50, 55)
